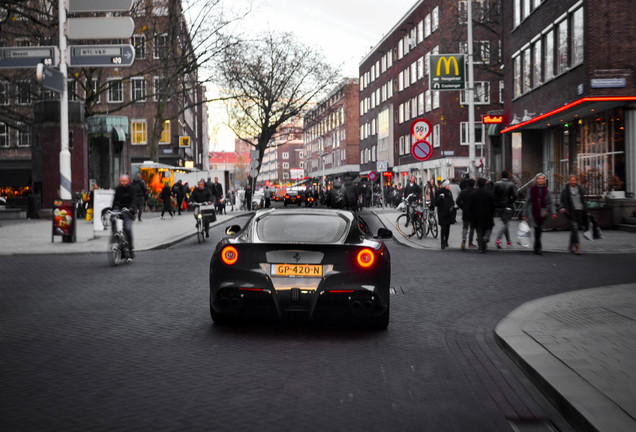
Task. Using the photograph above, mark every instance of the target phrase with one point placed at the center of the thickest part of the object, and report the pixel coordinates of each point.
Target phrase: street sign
(25, 57)
(100, 55)
(372, 176)
(382, 166)
(422, 150)
(50, 78)
(421, 129)
(98, 5)
(184, 142)
(253, 172)
(447, 72)
(254, 163)
(100, 28)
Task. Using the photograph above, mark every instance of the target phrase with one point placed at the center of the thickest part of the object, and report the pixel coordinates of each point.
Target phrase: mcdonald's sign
(447, 72)
(184, 141)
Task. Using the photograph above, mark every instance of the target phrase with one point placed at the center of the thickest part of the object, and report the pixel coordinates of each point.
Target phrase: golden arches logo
(447, 65)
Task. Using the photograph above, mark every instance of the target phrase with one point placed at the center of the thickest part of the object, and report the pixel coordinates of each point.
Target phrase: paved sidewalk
(34, 236)
(578, 347)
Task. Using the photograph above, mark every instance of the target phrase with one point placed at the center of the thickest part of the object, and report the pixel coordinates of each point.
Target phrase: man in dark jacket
(218, 194)
(126, 198)
(482, 213)
(463, 202)
(179, 192)
(142, 193)
(201, 194)
(445, 203)
(505, 195)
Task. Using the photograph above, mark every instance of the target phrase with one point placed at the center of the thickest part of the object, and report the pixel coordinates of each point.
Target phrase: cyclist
(412, 188)
(202, 195)
(126, 199)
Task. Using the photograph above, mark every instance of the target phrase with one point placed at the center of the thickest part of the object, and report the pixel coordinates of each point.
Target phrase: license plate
(297, 270)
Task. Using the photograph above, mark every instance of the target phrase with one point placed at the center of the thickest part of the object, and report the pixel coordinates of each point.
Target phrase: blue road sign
(101, 55)
(50, 78)
(27, 57)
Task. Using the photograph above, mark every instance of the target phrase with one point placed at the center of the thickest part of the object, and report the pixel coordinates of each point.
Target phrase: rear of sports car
(310, 281)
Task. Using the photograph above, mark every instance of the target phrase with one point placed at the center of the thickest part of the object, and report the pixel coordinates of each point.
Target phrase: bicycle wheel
(200, 233)
(400, 224)
(419, 228)
(432, 225)
(114, 253)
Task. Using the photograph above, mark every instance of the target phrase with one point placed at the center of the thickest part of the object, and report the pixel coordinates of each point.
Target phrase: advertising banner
(64, 220)
(103, 199)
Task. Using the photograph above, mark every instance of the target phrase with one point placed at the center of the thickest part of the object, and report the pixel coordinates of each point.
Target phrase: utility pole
(65, 154)
(471, 91)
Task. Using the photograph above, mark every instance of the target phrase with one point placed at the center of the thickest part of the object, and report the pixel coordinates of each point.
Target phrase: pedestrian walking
(538, 208)
(463, 202)
(575, 210)
(482, 213)
(505, 193)
(445, 203)
(166, 198)
(430, 193)
(142, 194)
(179, 193)
(218, 194)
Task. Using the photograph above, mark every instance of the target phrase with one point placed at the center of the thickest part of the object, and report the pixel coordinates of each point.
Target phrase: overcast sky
(345, 30)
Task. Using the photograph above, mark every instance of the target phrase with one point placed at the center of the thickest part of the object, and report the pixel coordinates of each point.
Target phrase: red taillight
(341, 291)
(366, 258)
(229, 255)
(251, 289)
(286, 196)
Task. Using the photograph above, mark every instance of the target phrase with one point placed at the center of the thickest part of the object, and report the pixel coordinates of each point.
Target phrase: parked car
(308, 263)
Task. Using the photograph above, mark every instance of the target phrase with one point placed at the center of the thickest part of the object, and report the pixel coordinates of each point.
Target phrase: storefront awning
(573, 111)
(15, 177)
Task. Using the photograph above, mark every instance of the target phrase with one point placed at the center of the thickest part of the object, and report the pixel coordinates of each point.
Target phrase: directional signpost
(50, 78)
(101, 55)
(28, 57)
(447, 72)
(101, 28)
(99, 5)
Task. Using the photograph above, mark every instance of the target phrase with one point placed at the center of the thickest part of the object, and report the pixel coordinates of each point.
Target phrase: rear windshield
(292, 228)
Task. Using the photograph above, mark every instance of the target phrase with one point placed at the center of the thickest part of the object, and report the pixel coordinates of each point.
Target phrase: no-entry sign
(422, 150)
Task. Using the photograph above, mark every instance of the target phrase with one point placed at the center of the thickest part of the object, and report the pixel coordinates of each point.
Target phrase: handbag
(453, 215)
(544, 212)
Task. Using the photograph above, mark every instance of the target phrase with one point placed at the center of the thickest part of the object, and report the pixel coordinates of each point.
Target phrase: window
(436, 137)
(420, 31)
(527, 70)
(139, 132)
(516, 65)
(4, 135)
(427, 26)
(24, 135)
(429, 100)
(139, 42)
(24, 92)
(577, 37)
(435, 18)
(481, 95)
(115, 91)
(160, 89)
(4, 93)
(160, 7)
(285, 155)
(436, 99)
(420, 104)
(479, 136)
(562, 46)
(165, 132)
(160, 50)
(481, 51)
(138, 89)
(549, 54)
(537, 56)
(285, 165)
(71, 90)
(95, 87)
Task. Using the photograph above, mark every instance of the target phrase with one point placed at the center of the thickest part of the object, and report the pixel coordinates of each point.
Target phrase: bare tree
(269, 82)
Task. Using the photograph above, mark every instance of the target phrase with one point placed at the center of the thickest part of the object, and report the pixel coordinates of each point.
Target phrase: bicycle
(118, 247)
(202, 211)
(412, 215)
(431, 221)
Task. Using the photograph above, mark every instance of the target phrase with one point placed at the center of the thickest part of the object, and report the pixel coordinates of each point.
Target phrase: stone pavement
(578, 347)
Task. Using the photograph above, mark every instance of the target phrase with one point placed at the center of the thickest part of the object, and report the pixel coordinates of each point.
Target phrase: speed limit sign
(420, 129)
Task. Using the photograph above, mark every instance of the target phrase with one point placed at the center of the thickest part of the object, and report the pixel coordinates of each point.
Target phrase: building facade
(571, 99)
(331, 134)
(151, 110)
(395, 91)
(283, 163)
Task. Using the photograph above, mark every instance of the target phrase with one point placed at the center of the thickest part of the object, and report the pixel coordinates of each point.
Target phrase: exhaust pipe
(355, 305)
(235, 303)
(368, 305)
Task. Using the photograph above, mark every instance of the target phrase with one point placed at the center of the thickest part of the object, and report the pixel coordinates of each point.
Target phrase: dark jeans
(506, 215)
(483, 236)
(142, 204)
(444, 233)
(578, 221)
(167, 208)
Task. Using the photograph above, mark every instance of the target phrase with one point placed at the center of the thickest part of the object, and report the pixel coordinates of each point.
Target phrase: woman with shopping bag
(539, 207)
(575, 210)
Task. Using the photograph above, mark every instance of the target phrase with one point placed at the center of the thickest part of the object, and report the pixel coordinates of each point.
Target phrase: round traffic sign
(372, 175)
(421, 129)
(422, 150)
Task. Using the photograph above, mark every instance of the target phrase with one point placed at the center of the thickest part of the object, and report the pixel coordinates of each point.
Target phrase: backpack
(340, 199)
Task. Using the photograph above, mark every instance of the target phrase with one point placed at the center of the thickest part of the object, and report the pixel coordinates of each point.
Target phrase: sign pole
(65, 154)
(470, 92)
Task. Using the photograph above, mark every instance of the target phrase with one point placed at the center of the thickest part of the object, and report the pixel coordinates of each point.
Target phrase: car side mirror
(232, 229)
(384, 233)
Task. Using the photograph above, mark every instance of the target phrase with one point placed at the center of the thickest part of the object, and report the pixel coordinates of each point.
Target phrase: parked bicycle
(201, 211)
(118, 247)
(412, 218)
(430, 219)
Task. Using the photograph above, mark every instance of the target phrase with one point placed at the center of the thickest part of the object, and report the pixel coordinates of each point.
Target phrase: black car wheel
(218, 318)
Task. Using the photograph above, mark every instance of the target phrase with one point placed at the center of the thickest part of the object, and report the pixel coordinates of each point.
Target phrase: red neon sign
(492, 119)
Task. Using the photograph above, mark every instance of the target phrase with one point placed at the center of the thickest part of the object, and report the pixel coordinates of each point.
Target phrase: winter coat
(482, 208)
(444, 202)
(505, 193)
(463, 202)
(537, 197)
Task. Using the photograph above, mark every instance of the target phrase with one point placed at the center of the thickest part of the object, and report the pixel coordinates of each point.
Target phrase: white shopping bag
(523, 234)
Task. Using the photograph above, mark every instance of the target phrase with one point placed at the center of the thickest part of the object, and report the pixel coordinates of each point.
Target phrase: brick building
(394, 90)
(571, 104)
(283, 163)
(331, 134)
